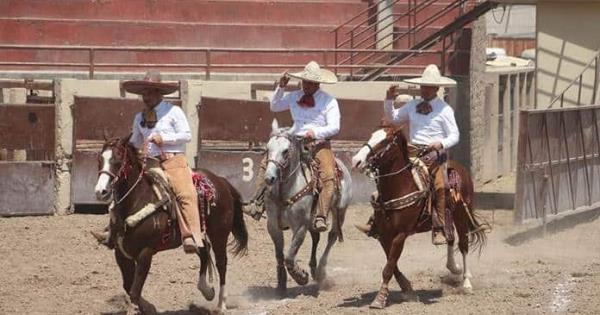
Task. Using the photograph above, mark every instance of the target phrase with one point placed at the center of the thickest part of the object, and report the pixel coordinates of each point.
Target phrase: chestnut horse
(123, 175)
(386, 155)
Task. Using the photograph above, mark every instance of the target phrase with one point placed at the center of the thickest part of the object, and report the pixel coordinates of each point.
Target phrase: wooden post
(543, 203)
(519, 214)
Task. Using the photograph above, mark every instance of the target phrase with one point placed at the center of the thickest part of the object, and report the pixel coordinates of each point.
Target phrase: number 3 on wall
(248, 169)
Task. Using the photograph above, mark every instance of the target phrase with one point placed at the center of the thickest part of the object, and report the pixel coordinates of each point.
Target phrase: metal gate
(558, 162)
(27, 141)
(233, 134)
(92, 118)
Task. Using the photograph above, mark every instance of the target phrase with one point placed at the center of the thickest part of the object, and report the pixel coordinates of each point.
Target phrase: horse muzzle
(103, 194)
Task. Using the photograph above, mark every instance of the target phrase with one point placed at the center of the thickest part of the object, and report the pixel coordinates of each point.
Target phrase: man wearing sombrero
(164, 128)
(316, 116)
(433, 126)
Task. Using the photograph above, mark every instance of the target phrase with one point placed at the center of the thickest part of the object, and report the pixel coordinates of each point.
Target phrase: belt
(167, 155)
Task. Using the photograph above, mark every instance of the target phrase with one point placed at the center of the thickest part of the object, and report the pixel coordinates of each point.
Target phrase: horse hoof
(467, 290)
(377, 305)
(208, 293)
(455, 270)
(133, 309)
(299, 275)
(380, 300)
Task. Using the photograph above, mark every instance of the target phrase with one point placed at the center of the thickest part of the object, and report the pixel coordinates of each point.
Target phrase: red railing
(92, 65)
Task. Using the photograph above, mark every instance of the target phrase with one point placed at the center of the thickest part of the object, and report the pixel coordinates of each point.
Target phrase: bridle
(373, 156)
(282, 167)
(124, 170)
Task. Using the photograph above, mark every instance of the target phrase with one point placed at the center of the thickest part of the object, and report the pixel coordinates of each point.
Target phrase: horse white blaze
(103, 179)
(275, 148)
(359, 159)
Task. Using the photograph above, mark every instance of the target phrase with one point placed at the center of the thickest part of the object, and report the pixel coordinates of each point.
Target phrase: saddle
(168, 203)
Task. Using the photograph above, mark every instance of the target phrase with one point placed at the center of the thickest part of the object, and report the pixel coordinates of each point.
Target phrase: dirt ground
(53, 266)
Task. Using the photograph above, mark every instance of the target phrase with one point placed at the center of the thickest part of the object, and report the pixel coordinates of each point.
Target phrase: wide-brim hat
(313, 72)
(152, 81)
(432, 77)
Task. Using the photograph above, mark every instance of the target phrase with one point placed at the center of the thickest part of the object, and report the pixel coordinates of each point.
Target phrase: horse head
(283, 154)
(115, 163)
(385, 146)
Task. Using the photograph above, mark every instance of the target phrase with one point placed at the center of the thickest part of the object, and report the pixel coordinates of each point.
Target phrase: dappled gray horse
(290, 201)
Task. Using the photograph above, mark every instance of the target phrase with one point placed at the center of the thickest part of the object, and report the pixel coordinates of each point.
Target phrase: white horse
(289, 202)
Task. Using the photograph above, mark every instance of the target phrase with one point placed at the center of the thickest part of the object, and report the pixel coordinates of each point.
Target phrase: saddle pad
(454, 180)
(204, 186)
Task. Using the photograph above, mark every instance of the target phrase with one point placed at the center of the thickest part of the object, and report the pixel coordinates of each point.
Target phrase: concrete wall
(567, 38)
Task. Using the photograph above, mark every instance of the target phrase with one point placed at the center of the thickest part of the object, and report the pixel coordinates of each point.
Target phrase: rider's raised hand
(283, 81)
(392, 92)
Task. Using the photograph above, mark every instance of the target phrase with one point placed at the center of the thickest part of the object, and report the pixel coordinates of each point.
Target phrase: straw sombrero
(152, 81)
(312, 72)
(432, 77)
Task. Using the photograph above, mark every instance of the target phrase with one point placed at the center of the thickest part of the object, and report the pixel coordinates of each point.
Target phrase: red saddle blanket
(204, 187)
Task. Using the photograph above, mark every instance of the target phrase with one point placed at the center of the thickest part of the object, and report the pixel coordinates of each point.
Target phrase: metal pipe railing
(92, 65)
(579, 78)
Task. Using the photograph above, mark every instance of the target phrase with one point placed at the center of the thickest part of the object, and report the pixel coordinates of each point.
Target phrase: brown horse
(140, 230)
(400, 208)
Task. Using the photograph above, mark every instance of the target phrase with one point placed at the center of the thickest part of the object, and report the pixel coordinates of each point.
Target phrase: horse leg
(207, 289)
(143, 263)
(316, 237)
(462, 230)
(127, 267)
(298, 274)
(321, 271)
(277, 238)
(463, 245)
(450, 262)
(395, 250)
(220, 250)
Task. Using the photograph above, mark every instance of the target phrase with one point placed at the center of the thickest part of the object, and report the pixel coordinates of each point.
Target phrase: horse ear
(275, 125)
(105, 135)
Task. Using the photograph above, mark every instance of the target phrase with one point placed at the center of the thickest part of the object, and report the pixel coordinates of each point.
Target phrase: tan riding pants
(180, 177)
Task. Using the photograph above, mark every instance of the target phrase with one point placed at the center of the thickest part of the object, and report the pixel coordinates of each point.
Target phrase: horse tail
(239, 231)
(476, 224)
(478, 228)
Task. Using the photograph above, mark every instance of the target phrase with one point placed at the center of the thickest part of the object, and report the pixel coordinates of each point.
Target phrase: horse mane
(398, 132)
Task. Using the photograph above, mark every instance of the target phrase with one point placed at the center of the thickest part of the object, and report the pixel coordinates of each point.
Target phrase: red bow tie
(306, 101)
(424, 108)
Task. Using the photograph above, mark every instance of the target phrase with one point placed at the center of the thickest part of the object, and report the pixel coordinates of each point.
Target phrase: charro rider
(164, 128)
(432, 125)
(316, 116)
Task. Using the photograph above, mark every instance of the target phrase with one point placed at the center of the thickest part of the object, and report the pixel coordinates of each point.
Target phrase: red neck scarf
(306, 101)
(424, 108)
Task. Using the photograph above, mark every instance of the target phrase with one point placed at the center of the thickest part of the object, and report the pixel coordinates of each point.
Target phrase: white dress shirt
(439, 125)
(171, 125)
(323, 118)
